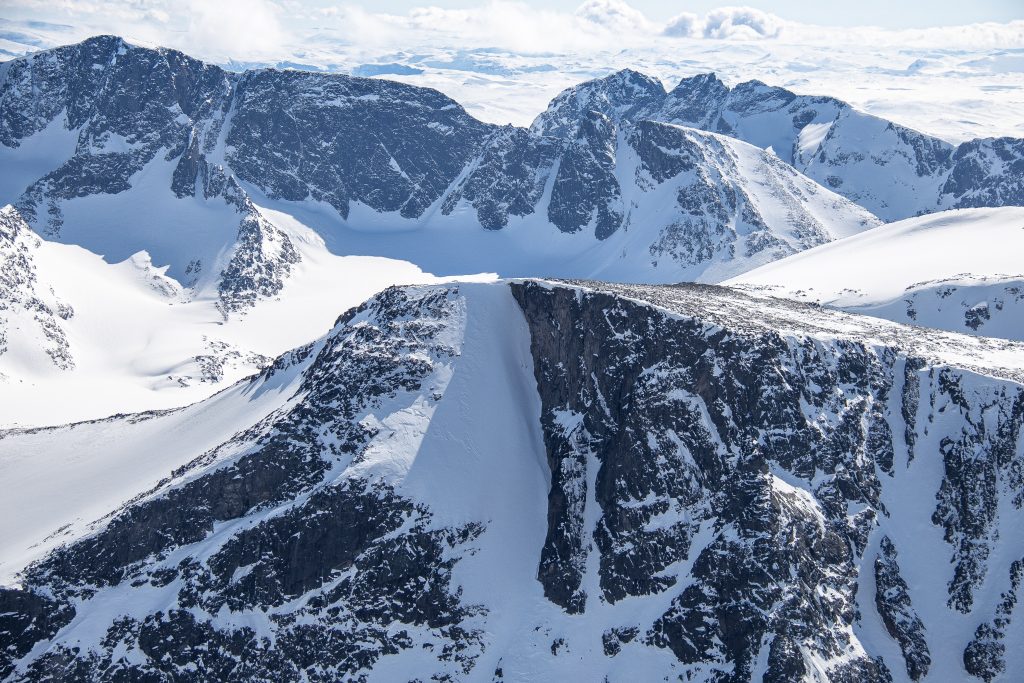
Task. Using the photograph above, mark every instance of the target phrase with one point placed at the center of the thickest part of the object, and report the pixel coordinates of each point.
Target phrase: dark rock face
(975, 460)
(339, 139)
(716, 218)
(111, 89)
(653, 418)
(132, 107)
(651, 468)
(341, 568)
(697, 101)
(621, 97)
(985, 656)
(707, 204)
(25, 619)
(894, 605)
(986, 172)
(586, 190)
(508, 178)
(128, 105)
(262, 258)
(857, 155)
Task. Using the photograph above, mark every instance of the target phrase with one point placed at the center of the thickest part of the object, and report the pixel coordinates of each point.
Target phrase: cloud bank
(256, 29)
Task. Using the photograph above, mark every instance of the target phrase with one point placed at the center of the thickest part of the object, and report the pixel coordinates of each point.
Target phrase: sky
(255, 29)
(883, 13)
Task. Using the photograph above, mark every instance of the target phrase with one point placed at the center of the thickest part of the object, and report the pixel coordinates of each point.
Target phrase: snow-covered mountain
(219, 198)
(509, 479)
(103, 133)
(891, 170)
(540, 481)
(31, 314)
(955, 270)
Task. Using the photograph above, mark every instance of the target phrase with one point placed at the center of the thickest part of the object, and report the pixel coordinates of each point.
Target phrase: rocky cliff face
(128, 110)
(389, 146)
(124, 105)
(986, 172)
(701, 484)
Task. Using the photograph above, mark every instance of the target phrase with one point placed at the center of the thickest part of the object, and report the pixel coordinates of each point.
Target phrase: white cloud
(214, 29)
(246, 29)
(685, 25)
(254, 30)
(743, 23)
(614, 15)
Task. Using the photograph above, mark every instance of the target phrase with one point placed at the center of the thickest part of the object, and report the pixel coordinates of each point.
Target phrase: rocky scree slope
(97, 128)
(540, 480)
(891, 170)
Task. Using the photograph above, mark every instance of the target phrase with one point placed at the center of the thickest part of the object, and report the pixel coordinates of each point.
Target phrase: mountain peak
(700, 83)
(620, 96)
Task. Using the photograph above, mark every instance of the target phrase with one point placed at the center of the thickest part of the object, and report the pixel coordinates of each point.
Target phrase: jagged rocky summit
(540, 480)
(891, 170)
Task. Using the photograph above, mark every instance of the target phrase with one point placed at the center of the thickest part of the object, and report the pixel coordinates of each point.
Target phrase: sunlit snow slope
(955, 270)
(82, 338)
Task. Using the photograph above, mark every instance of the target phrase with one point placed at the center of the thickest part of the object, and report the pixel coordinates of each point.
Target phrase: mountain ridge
(822, 137)
(379, 153)
(953, 270)
(673, 475)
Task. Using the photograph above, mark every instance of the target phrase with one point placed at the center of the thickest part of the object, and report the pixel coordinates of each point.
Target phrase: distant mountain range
(644, 200)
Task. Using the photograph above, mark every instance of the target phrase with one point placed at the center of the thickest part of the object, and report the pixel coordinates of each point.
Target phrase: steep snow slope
(663, 481)
(954, 270)
(89, 469)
